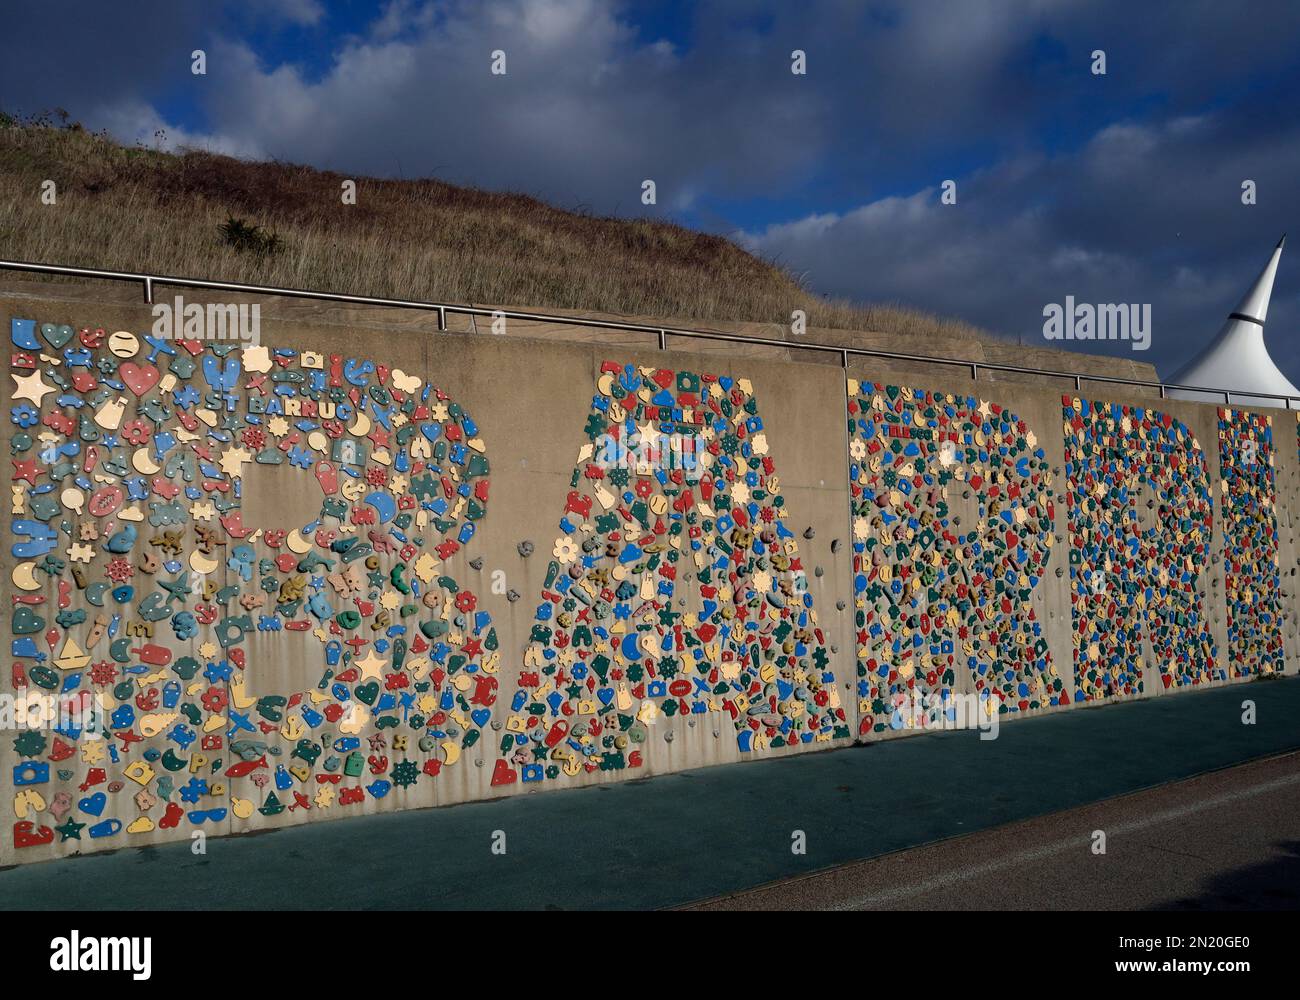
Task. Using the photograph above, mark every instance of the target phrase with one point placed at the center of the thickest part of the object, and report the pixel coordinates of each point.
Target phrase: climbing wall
(952, 530)
(613, 644)
(260, 584)
(1140, 515)
(142, 589)
(1252, 576)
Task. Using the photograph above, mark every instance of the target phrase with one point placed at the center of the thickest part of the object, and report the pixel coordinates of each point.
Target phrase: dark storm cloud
(82, 56)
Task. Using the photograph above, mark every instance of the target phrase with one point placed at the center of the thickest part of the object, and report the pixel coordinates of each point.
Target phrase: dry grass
(138, 209)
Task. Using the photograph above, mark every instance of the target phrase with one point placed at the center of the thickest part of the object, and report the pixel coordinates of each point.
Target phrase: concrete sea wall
(365, 566)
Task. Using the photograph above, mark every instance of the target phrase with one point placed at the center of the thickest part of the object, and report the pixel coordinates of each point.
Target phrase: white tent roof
(1237, 358)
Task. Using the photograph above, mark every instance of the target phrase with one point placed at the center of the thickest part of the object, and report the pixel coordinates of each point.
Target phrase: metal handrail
(149, 281)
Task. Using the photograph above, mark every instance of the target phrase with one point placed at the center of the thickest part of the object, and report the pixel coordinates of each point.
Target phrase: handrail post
(974, 372)
(1078, 383)
(663, 339)
(148, 290)
(1162, 391)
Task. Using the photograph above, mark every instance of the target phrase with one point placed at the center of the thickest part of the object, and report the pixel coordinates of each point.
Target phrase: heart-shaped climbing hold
(139, 378)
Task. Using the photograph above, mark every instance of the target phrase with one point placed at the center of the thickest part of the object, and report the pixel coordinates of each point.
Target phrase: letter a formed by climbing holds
(674, 487)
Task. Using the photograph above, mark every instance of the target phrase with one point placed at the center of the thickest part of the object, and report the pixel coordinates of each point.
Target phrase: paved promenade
(679, 838)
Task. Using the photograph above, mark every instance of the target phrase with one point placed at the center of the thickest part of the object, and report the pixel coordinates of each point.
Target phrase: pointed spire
(1253, 307)
(1237, 359)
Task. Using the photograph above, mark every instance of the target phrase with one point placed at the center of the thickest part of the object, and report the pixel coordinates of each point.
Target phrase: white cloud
(139, 123)
(586, 111)
(1100, 223)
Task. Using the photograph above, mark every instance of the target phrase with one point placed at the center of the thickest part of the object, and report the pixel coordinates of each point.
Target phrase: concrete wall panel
(534, 396)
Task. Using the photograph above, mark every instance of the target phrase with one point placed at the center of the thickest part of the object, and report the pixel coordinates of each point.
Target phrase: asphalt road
(1227, 840)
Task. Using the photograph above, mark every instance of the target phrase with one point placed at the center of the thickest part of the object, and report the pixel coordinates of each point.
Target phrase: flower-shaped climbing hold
(24, 415)
(136, 431)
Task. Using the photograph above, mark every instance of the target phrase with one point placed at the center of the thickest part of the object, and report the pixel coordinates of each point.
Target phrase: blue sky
(1117, 188)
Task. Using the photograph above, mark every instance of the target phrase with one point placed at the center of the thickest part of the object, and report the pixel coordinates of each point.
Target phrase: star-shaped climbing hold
(31, 387)
(26, 470)
(70, 830)
(371, 665)
(649, 434)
